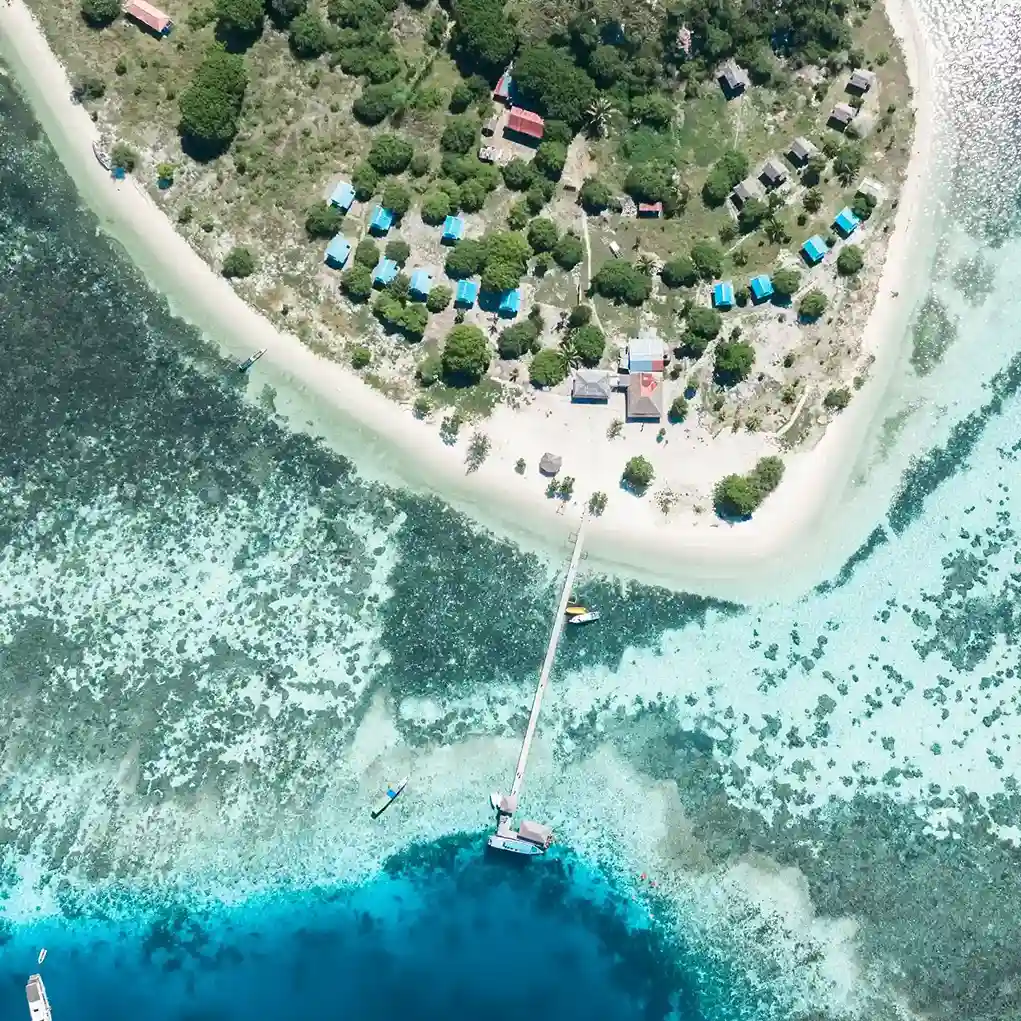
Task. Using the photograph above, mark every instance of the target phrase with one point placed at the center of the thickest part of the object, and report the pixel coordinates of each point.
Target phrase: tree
(124, 156)
(653, 108)
(364, 180)
(420, 164)
(519, 339)
(211, 103)
(580, 315)
(460, 134)
(283, 11)
(598, 116)
(465, 356)
(704, 322)
(549, 80)
(863, 205)
(367, 253)
(850, 260)
(596, 504)
(165, 174)
(548, 368)
(786, 282)
(390, 154)
(848, 161)
(484, 38)
(361, 356)
(460, 98)
(309, 36)
(376, 102)
(239, 17)
(239, 262)
(837, 399)
(594, 195)
(88, 87)
(589, 343)
(620, 281)
(707, 258)
(509, 247)
(814, 169)
(435, 208)
(357, 283)
(439, 298)
(539, 194)
(323, 220)
(752, 213)
(727, 171)
(679, 272)
(678, 409)
(500, 276)
(605, 65)
(467, 259)
(473, 196)
(569, 251)
(812, 305)
(414, 320)
(543, 235)
(767, 474)
(734, 360)
(399, 251)
(812, 200)
(735, 496)
(396, 198)
(648, 182)
(99, 13)
(518, 175)
(638, 474)
(550, 158)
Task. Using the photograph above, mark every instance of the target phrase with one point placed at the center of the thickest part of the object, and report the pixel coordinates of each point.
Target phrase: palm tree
(570, 352)
(600, 112)
(646, 263)
(776, 231)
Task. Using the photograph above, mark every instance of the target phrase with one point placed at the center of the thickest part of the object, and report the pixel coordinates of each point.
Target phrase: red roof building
(650, 208)
(149, 16)
(524, 122)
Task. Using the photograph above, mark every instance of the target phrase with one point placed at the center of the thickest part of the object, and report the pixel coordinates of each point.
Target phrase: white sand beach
(799, 526)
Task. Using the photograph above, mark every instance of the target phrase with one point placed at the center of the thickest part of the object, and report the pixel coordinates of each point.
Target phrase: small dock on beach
(531, 837)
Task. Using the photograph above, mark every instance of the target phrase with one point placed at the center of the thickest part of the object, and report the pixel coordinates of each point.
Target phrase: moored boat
(392, 793)
(38, 1004)
(588, 617)
(101, 155)
(251, 360)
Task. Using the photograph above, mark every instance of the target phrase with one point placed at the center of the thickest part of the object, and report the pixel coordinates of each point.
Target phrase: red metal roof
(524, 122)
(148, 15)
(502, 90)
(650, 208)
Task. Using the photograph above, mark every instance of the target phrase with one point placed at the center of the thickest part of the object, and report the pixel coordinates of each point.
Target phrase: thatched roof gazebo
(550, 463)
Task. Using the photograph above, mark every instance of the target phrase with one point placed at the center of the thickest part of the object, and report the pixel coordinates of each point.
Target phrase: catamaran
(38, 1004)
(392, 793)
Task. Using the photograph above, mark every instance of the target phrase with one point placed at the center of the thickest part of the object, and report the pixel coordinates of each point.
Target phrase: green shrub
(439, 298)
(124, 156)
(812, 305)
(850, 260)
(678, 409)
(548, 368)
(360, 356)
(737, 496)
(367, 253)
(323, 220)
(837, 399)
(569, 251)
(543, 235)
(211, 103)
(465, 356)
(638, 474)
(589, 343)
(435, 208)
(239, 262)
(356, 283)
(99, 13)
(619, 280)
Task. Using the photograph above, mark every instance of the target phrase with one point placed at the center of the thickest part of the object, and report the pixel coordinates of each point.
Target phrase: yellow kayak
(574, 611)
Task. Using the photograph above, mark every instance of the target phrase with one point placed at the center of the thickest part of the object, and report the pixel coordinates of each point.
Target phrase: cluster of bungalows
(860, 82)
(639, 376)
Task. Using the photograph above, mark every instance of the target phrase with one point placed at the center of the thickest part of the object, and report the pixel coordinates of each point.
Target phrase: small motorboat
(588, 617)
(42, 955)
(392, 793)
(38, 1003)
(251, 360)
(101, 155)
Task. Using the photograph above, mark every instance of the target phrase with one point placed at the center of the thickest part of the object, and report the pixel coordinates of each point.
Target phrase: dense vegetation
(211, 104)
(737, 496)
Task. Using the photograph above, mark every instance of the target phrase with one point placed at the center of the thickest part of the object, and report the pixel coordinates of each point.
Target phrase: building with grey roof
(801, 151)
(744, 190)
(772, 174)
(733, 79)
(591, 385)
(861, 80)
(842, 115)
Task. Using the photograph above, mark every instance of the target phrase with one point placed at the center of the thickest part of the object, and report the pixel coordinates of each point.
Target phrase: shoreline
(796, 535)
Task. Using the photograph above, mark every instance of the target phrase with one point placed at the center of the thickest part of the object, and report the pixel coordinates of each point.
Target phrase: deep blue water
(444, 932)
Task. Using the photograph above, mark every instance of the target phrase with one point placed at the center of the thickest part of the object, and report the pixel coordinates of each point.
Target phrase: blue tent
(382, 220)
(453, 229)
(467, 292)
(761, 287)
(385, 271)
(421, 283)
(723, 294)
(510, 303)
(846, 222)
(343, 195)
(337, 252)
(813, 250)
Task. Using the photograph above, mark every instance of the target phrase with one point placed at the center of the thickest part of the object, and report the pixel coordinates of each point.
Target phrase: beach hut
(646, 353)
(761, 287)
(524, 122)
(385, 271)
(723, 295)
(871, 189)
(421, 284)
(510, 303)
(733, 79)
(772, 174)
(453, 230)
(343, 195)
(813, 250)
(337, 252)
(645, 396)
(846, 222)
(861, 80)
(842, 115)
(550, 464)
(801, 151)
(746, 190)
(591, 386)
(382, 220)
(149, 17)
(467, 292)
(650, 209)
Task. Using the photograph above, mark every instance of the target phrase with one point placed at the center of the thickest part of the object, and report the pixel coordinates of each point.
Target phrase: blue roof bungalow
(453, 230)
(761, 288)
(467, 292)
(846, 222)
(342, 197)
(385, 271)
(337, 252)
(382, 220)
(723, 294)
(813, 250)
(421, 284)
(510, 303)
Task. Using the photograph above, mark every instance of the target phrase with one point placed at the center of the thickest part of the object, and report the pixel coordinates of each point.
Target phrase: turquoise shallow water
(218, 642)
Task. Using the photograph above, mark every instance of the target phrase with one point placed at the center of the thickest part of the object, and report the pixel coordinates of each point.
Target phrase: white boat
(584, 618)
(42, 955)
(251, 360)
(102, 155)
(392, 793)
(38, 1004)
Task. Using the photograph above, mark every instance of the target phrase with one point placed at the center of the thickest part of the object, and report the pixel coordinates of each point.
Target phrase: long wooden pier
(508, 804)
